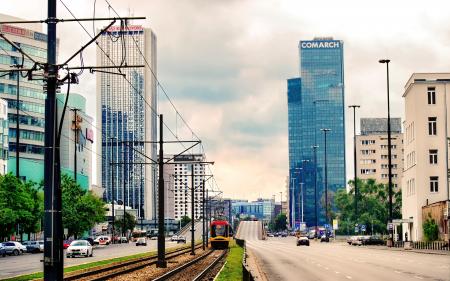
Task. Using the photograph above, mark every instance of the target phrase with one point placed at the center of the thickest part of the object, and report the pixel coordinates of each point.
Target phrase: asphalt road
(281, 259)
(29, 263)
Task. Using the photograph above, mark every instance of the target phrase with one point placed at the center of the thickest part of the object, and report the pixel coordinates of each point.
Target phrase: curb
(413, 251)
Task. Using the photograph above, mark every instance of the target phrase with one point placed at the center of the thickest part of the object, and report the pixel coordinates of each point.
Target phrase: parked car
(66, 244)
(174, 238)
(123, 239)
(2, 250)
(34, 246)
(141, 242)
(90, 240)
(181, 239)
(102, 240)
(358, 241)
(270, 235)
(14, 248)
(80, 248)
(283, 234)
(154, 238)
(373, 240)
(350, 239)
(303, 240)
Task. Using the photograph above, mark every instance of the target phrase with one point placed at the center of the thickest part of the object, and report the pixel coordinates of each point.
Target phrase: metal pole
(53, 230)
(123, 196)
(112, 192)
(75, 122)
(192, 211)
(208, 205)
(325, 131)
(17, 126)
(315, 189)
(203, 215)
(161, 240)
(355, 179)
(281, 202)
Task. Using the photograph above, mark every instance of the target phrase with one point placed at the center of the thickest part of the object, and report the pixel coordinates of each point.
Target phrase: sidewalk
(429, 252)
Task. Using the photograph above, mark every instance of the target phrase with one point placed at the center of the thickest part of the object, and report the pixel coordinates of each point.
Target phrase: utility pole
(325, 131)
(17, 124)
(355, 179)
(162, 263)
(314, 147)
(123, 196)
(192, 211)
(391, 238)
(53, 229)
(75, 126)
(112, 191)
(203, 215)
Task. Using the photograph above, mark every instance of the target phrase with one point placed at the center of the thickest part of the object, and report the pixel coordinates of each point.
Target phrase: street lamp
(354, 158)
(325, 131)
(301, 186)
(314, 147)
(386, 61)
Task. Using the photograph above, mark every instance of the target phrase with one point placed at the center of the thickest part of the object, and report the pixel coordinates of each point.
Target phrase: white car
(80, 248)
(14, 248)
(102, 240)
(174, 238)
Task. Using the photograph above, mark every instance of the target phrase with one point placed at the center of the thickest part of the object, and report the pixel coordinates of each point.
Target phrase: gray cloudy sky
(225, 65)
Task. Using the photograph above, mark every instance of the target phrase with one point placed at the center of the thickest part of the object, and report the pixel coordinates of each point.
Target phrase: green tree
(430, 229)
(130, 222)
(20, 206)
(81, 209)
(280, 222)
(373, 206)
(185, 220)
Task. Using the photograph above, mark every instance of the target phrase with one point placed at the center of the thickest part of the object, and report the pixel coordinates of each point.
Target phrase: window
(432, 131)
(367, 142)
(434, 184)
(431, 95)
(433, 156)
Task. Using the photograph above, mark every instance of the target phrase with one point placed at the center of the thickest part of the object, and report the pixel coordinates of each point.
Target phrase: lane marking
(418, 277)
(348, 277)
(396, 271)
(337, 272)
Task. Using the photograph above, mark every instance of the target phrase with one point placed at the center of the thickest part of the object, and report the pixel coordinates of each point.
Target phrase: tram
(220, 234)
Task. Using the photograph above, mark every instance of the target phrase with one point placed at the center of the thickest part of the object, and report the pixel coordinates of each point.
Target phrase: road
(28, 263)
(281, 259)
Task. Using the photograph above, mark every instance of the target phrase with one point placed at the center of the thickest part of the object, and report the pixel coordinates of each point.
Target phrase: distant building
(126, 113)
(316, 101)
(372, 151)
(261, 209)
(3, 137)
(425, 187)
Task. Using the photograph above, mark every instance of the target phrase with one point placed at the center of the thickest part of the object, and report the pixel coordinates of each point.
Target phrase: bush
(430, 229)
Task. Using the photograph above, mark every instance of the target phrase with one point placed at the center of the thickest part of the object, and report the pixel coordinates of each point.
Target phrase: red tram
(220, 234)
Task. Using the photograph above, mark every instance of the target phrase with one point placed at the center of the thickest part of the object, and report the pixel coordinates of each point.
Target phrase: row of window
(386, 166)
(410, 187)
(27, 120)
(386, 176)
(27, 148)
(410, 159)
(386, 156)
(367, 142)
(29, 49)
(27, 134)
(23, 91)
(27, 106)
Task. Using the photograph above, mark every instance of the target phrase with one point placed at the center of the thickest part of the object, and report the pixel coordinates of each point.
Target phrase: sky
(224, 64)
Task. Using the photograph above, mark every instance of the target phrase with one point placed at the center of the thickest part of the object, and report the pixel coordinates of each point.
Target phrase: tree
(430, 229)
(373, 206)
(81, 209)
(185, 220)
(130, 222)
(280, 222)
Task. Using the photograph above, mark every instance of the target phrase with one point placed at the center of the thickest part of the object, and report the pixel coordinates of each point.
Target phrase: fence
(434, 245)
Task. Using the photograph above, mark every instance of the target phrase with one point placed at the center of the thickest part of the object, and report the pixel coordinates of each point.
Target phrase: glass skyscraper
(316, 101)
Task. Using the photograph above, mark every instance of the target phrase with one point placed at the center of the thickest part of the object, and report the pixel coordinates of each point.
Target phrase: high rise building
(315, 102)
(183, 165)
(3, 137)
(425, 186)
(126, 112)
(372, 151)
(31, 96)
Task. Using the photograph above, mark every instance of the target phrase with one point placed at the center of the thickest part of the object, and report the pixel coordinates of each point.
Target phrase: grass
(40, 275)
(232, 270)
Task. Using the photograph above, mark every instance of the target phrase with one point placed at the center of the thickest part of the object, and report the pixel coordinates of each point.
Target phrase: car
(34, 246)
(276, 234)
(181, 239)
(80, 248)
(141, 242)
(66, 244)
(14, 248)
(372, 240)
(270, 235)
(351, 239)
(324, 238)
(358, 240)
(303, 240)
(123, 239)
(283, 234)
(2, 250)
(89, 239)
(174, 238)
(154, 238)
(102, 240)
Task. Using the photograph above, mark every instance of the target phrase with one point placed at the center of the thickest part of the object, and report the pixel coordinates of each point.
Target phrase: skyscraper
(126, 112)
(315, 102)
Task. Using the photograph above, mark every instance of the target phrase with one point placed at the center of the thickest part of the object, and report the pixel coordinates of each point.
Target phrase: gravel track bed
(152, 271)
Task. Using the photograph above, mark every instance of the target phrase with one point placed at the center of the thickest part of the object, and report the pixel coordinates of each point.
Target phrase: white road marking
(396, 271)
(348, 277)
(337, 272)
(418, 277)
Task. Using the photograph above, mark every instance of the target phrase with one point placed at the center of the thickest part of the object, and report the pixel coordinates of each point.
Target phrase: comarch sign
(320, 44)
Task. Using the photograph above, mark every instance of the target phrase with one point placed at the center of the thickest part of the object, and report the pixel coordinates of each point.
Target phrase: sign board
(302, 226)
(356, 229)
(14, 30)
(66, 231)
(320, 44)
(187, 158)
(335, 224)
(390, 226)
(363, 227)
(402, 221)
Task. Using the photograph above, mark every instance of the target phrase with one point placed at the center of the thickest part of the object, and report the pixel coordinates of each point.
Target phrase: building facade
(182, 185)
(372, 151)
(126, 114)
(315, 102)
(31, 95)
(261, 209)
(3, 137)
(425, 175)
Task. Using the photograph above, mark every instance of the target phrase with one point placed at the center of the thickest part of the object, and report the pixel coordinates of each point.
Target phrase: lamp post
(281, 202)
(301, 186)
(314, 147)
(386, 61)
(325, 131)
(354, 158)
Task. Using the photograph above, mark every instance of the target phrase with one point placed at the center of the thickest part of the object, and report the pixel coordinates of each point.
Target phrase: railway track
(195, 269)
(121, 268)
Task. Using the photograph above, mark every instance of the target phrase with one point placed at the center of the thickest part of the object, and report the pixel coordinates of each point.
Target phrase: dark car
(303, 240)
(372, 240)
(284, 234)
(90, 240)
(34, 246)
(324, 238)
(181, 239)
